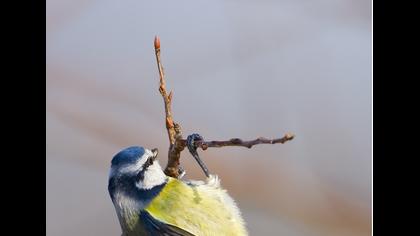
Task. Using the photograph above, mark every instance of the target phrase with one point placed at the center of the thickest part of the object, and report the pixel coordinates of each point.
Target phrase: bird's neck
(128, 205)
(127, 210)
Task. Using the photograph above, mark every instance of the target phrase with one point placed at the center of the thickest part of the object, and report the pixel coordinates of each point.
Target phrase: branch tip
(157, 42)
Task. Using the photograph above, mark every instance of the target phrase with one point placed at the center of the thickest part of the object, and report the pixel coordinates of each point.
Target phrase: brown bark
(177, 143)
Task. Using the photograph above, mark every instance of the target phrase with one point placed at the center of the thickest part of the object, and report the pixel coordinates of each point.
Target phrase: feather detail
(202, 208)
(213, 181)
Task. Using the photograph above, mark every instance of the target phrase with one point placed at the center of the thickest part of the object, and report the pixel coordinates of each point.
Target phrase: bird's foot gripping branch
(177, 143)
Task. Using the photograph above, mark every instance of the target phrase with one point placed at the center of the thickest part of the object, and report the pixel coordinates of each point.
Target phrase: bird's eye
(148, 163)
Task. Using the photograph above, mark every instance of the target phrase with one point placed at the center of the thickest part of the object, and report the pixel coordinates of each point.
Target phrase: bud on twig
(157, 42)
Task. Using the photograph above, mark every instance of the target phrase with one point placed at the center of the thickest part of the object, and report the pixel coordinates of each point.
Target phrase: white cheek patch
(153, 176)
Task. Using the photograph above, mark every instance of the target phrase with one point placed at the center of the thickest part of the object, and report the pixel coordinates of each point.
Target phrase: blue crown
(128, 155)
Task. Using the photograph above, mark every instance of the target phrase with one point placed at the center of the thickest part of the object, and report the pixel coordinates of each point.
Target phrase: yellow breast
(201, 209)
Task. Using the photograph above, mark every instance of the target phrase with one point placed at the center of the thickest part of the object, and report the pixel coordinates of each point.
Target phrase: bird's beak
(155, 152)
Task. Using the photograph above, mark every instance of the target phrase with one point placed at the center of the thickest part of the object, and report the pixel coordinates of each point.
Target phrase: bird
(148, 202)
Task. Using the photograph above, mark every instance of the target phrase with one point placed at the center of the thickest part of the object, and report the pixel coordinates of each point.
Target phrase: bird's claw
(192, 147)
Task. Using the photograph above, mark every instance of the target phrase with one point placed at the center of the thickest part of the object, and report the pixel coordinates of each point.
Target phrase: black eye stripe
(148, 163)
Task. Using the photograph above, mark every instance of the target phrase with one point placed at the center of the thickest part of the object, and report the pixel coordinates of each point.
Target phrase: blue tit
(148, 202)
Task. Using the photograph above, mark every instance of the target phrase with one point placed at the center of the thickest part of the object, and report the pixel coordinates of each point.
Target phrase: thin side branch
(239, 142)
(174, 130)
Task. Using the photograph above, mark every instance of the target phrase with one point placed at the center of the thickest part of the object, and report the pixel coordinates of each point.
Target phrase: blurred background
(237, 69)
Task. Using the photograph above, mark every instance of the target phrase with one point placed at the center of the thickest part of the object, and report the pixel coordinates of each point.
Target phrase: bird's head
(135, 168)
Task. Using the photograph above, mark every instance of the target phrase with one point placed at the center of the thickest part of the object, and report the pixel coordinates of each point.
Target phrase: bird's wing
(157, 227)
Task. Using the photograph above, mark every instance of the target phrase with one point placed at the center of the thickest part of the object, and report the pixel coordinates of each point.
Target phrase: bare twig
(239, 142)
(177, 143)
(174, 130)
